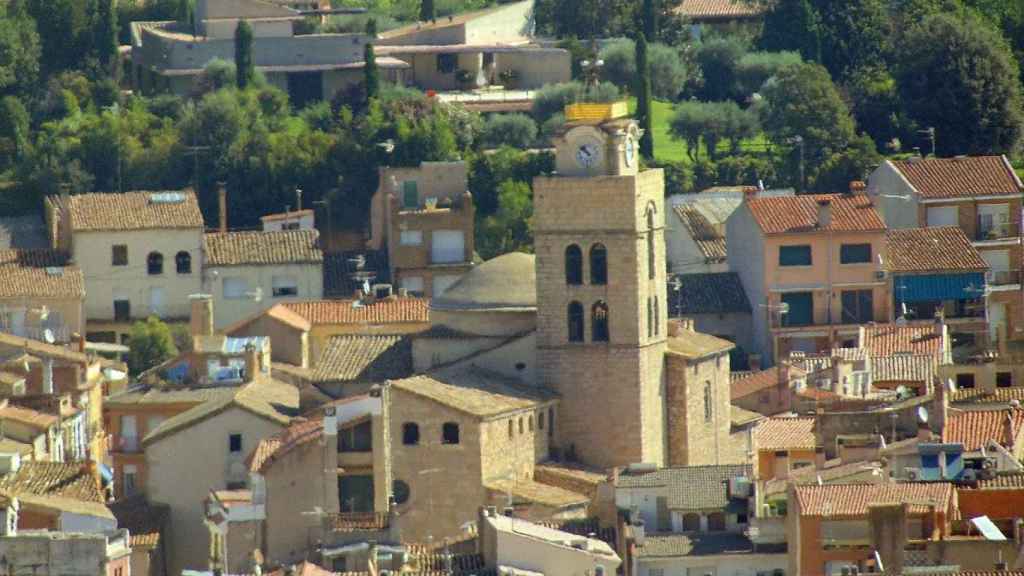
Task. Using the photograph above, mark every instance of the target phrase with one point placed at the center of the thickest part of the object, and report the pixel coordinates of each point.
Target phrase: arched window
(575, 322)
(599, 322)
(410, 433)
(450, 433)
(573, 265)
(598, 264)
(183, 262)
(400, 491)
(650, 242)
(155, 263)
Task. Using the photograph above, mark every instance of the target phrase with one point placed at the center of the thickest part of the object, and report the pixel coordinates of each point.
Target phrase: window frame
(119, 255)
(447, 63)
(598, 264)
(451, 434)
(183, 262)
(852, 255)
(154, 264)
(600, 325)
(573, 265)
(279, 288)
(860, 298)
(575, 323)
(233, 440)
(410, 238)
(350, 440)
(410, 429)
(788, 253)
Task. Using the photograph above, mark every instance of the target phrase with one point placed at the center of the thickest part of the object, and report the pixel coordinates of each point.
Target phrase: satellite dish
(902, 392)
(950, 385)
(48, 336)
(922, 414)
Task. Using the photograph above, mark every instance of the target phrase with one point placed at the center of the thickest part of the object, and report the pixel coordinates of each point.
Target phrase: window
(794, 255)
(283, 286)
(965, 381)
(400, 492)
(657, 317)
(511, 429)
(520, 425)
(551, 422)
(129, 477)
(355, 493)
(410, 195)
(290, 226)
(411, 238)
(413, 284)
(598, 570)
(599, 322)
(540, 420)
(122, 310)
(1004, 379)
(598, 265)
(410, 433)
(741, 519)
(573, 265)
(650, 317)
(183, 262)
(708, 406)
(155, 264)
(575, 322)
(529, 422)
(488, 59)
(857, 306)
(447, 246)
(157, 297)
(358, 438)
(446, 63)
(855, 254)
(119, 255)
(450, 433)
(801, 309)
(650, 242)
(235, 288)
(235, 443)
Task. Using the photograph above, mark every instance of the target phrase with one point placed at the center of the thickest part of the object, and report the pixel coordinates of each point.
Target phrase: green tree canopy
(105, 43)
(854, 33)
(244, 63)
(510, 228)
(150, 343)
(644, 99)
(371, 74)
(958, 76)
(19, 51)
(712, 123)
(792, 25)
(668, 72)
(718, 58)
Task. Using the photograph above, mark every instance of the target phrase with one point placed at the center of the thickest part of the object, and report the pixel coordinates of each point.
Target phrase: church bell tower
(601, 290)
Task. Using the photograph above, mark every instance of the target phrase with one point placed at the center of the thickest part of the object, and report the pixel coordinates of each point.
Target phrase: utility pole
(929, 133)
(799, 141)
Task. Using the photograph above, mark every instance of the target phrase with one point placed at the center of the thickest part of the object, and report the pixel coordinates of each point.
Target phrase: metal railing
(358, 521)
(996, 231)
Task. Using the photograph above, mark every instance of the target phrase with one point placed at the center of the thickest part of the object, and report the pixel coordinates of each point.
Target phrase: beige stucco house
(42, 290)
(248, 272)
(139, 253)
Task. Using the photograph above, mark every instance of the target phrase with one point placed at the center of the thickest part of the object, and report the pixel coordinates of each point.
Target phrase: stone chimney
(754, 362)
(252, 362)
(222, 207)
(201, 316)
(824, 213)
(749, 193)
(858, 186)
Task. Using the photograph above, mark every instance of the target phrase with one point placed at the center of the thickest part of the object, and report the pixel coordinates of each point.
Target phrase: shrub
(515, 130)
(755, 67)
(668, 71)
(553, 98)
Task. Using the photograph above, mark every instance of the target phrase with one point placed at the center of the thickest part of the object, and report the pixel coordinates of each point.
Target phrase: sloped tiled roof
(755, 382)
(783, 214)
(694, 345)
(915, 368)
(134, 211)
(41, 421)
(298, 434)
(39, 274)
(364, 358)
(976, 428)
(980, 396)
(708, 293)
(741, 417)
(670, 545)
(719, 9)
(262, 248)
(1005, 481)
(156, 395)
(142, 518)
(539, 493)
(888, 339)
(475, 391)
(939, 248)
(71, 480)
(709, 239)
(853, 500)
(960, 177)
(783, 433)
(690, 487)
(393, 310)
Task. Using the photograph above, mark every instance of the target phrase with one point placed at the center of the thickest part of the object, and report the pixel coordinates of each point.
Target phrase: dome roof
(508, 282)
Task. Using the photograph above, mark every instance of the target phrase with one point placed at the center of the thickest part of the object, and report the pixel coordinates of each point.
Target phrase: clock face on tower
(588, 154)
(630, 150)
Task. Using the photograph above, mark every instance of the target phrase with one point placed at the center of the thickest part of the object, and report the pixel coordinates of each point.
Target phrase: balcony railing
(358, 521)
(997, 231)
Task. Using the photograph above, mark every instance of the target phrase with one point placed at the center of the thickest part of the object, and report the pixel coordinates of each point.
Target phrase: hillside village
(461, 314)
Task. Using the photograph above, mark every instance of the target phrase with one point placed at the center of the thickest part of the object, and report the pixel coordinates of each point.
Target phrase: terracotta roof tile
(980, 396)
(755, 382)
(262, 248)
(853, 500)
(286, 215)
(708, 238)
(474, 391)
(690, 487)
(1007, 481)
(915, 368)
(143, 519)
(932, 249)
(71, 480)
(135, 211)
(707, 293)
(784, 433)
(786, 214)
(694, 345)
(388, 311)
(976, 428)
(740, 417)
(888, 339)
(672, 545)
(39, 274)
(960, 177)
(41, 421)
(280, 444)
(364, 358)
(699, 9)
(818, 394)
(536, 492)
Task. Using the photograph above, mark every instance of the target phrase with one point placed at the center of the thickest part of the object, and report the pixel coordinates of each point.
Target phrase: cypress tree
(371, 75)
(643, 98)
(105, 36)
(427, 10)
(244, 65)
(650, 20)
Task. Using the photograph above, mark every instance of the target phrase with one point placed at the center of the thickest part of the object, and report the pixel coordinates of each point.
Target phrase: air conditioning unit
(913, 474)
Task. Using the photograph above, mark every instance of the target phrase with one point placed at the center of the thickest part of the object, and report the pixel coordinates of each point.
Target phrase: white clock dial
(630, 151)
(588, 155)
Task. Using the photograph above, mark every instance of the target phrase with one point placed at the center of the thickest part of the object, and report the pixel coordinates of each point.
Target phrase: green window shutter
(410, 195)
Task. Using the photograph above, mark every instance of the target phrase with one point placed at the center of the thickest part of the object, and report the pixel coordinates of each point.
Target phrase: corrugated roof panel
(932, 287)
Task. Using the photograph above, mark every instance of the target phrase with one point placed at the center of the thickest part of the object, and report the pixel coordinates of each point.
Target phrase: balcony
(358, 521)
(989, 231)
(1003, 277)
(124, 444)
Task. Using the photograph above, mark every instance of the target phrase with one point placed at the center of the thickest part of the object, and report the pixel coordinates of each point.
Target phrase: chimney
(781, 465)
(749, 193)
(252, 362)
(330, 421)
(858, 186)
(201, 317)
(222, 206)
(888, 525)
(824, 212)
(47, 375)
(754, 362)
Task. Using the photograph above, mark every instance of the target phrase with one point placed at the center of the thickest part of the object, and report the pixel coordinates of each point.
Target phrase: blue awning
(934, 287)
